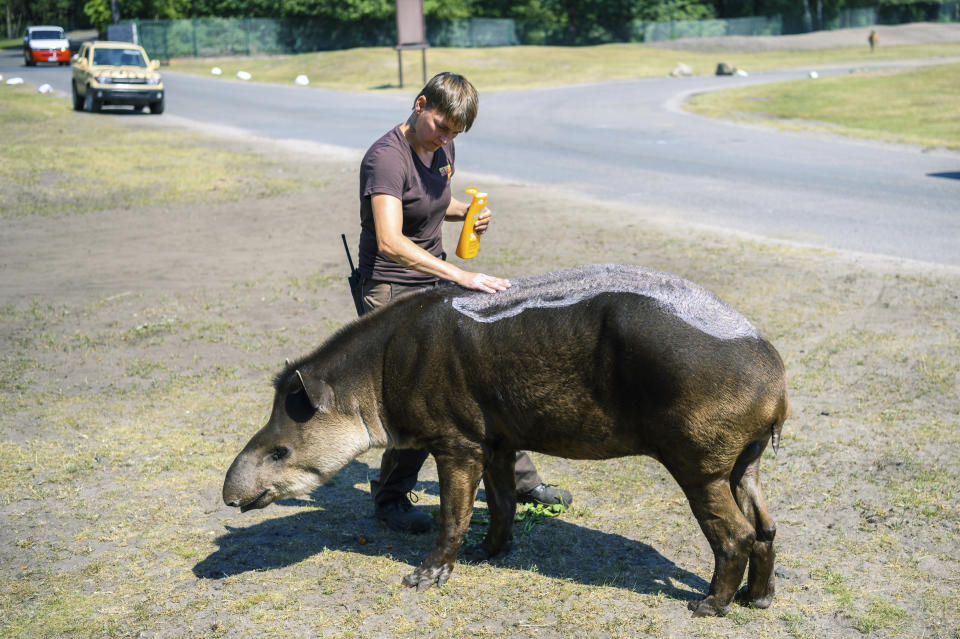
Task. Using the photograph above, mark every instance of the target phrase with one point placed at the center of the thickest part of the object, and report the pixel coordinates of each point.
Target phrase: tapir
(593, 362)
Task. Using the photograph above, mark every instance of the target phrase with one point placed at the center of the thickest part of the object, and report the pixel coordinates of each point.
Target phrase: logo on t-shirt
(446, 171)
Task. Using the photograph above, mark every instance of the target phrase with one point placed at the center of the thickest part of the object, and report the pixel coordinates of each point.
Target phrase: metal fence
(206, 37)
(778, 25)
(888, 14)
(473, 32)
(658, 31)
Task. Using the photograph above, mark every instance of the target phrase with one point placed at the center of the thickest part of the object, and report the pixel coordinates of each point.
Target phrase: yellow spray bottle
(469, 243)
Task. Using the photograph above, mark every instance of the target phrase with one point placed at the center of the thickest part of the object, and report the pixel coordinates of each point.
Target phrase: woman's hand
(482, 282)
(457, 212)
(483, 221)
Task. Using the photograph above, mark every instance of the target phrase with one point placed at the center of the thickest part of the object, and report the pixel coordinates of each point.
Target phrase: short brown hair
(453, 96)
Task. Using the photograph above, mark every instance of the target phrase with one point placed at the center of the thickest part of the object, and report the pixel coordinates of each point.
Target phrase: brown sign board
(411, 33)
(410, 25)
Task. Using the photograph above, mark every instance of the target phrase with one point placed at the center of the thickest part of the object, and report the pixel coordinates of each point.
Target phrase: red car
(45, 44)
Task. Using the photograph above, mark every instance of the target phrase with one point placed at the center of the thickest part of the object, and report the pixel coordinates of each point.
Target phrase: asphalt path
(631, 142)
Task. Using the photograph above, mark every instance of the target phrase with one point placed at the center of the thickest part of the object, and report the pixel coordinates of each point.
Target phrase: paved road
(630, 141)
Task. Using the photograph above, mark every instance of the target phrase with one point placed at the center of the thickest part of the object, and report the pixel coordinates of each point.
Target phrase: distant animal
(872, 39)
(589, 363)
(725, 69)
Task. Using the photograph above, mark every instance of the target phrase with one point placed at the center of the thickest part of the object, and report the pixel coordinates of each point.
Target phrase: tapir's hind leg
(500, 486)
(731, 538)
(745, 483)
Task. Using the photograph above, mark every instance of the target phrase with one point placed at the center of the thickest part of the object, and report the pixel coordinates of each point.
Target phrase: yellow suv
(115, 73)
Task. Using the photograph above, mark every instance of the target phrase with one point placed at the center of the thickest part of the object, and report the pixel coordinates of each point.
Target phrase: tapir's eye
(280, 453)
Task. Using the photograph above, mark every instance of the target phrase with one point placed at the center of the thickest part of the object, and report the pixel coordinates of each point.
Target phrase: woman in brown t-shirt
(405, 192)
(404, 200)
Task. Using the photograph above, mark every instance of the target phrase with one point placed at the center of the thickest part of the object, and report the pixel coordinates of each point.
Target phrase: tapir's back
(676, 296)
(606, 352)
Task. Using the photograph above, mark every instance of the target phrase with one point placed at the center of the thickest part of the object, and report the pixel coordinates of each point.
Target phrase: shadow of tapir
(588, 363)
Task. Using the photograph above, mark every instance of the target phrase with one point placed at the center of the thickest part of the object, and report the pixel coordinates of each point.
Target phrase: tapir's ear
(318, 391)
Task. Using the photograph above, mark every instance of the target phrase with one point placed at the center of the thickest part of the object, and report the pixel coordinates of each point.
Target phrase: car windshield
(46, 35)
(119, 57)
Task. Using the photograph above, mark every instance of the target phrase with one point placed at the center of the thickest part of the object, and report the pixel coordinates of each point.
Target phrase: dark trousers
(399, 467)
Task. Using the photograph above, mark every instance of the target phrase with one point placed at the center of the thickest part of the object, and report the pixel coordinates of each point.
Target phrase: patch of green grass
(499, 68)
(84, 162)
(879, 615)
(927, 491)
(836, 584)
(313, 282)
(917, 107)
(63, 612)
(795, 625)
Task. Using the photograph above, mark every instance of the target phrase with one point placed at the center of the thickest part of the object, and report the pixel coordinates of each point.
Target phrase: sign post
(411, 33)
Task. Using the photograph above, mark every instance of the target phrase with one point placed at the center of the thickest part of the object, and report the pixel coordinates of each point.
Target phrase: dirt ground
(136, 349)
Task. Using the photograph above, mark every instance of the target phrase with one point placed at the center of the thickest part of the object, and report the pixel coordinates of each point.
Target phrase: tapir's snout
(257, 502)
(242, 487)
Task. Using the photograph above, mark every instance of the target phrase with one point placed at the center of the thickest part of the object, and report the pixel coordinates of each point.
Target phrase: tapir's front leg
(459, 475)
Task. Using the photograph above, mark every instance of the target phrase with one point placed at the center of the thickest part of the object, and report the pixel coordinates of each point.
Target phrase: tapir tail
(777, 426)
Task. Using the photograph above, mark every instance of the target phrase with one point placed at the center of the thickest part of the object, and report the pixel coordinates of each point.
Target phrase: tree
(99, 13)
(667, 10)
(18, 14)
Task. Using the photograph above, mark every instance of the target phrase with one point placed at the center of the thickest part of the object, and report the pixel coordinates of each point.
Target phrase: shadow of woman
(343, 520)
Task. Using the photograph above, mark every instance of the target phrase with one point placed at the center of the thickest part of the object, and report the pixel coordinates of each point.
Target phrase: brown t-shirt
(392, 167)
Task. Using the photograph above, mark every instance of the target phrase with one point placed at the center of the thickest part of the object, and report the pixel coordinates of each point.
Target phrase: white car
(45, 44)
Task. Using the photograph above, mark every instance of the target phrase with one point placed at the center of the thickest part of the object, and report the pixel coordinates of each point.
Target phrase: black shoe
(546, 496)
(400, 516)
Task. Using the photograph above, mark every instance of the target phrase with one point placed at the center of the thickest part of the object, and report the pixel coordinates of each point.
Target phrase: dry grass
(56, 160)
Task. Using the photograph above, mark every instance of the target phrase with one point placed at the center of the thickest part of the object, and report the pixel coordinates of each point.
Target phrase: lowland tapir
(588, 363)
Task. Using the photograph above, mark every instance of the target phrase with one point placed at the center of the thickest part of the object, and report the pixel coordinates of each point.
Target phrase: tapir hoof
(745, 598)
(423, 577)
(707, 608)
(481, 552)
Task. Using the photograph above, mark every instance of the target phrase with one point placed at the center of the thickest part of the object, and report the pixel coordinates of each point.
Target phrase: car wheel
(156, 108)
(28, 60)
(90, 103)
(77, 100)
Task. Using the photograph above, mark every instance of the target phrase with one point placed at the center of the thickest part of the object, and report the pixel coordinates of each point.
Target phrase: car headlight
(153, 80)
(104, 79)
